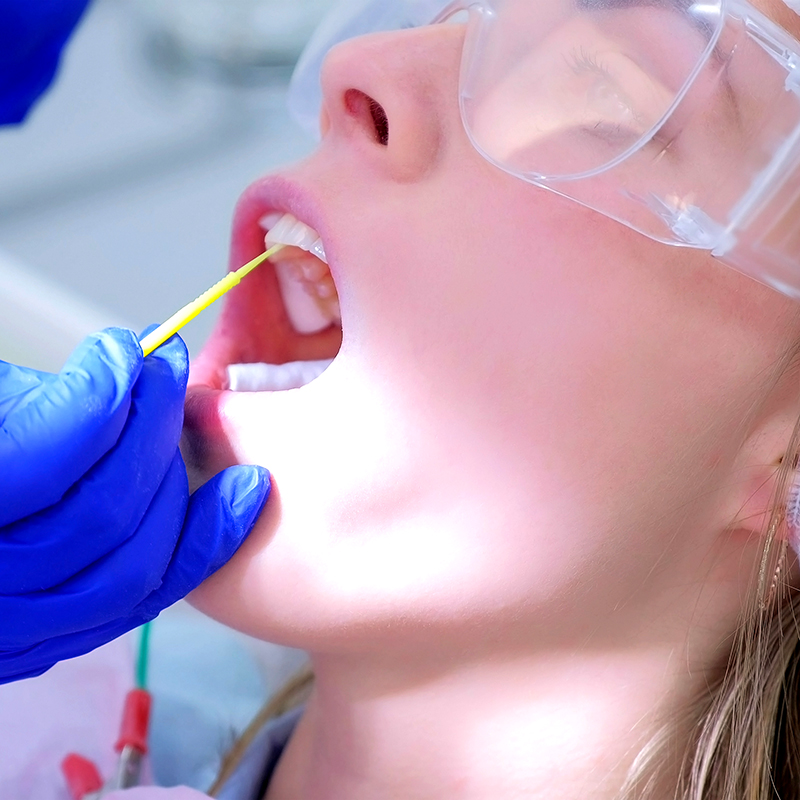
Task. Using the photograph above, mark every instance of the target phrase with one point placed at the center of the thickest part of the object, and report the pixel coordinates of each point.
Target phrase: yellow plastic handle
(189, 312)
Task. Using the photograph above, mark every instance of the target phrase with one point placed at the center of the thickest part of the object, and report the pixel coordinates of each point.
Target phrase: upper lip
(277, 193)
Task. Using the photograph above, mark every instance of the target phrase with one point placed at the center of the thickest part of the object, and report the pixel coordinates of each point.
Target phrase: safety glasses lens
(565, 87)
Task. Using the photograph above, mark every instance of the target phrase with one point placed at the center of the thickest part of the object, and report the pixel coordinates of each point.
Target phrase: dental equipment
(191, 310)
(82, 776)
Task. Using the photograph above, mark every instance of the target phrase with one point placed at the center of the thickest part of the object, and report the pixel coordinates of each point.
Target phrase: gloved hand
(97, 530)
(32, 36)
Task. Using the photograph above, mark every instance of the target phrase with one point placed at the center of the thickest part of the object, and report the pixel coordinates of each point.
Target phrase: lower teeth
(274, 377)
(308, 314)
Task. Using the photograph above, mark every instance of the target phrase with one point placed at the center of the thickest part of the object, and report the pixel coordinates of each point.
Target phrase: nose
(395, 97)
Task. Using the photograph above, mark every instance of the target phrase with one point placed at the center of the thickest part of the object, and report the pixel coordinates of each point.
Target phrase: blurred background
(116, 196)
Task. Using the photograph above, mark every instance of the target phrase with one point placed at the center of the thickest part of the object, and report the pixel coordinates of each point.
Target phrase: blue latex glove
(32, 35)
(98, 533)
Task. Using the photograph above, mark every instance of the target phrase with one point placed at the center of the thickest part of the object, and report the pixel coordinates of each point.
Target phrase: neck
(555, 726)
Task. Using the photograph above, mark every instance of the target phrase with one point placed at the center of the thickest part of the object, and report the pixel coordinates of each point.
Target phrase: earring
(769, 596)
(790, 514)
(793, 513)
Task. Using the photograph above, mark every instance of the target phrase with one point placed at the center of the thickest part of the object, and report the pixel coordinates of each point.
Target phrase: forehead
(776, 10)
(779, 12)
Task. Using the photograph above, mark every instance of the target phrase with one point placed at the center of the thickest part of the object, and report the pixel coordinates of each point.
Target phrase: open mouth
(310, 303)
(282, 328)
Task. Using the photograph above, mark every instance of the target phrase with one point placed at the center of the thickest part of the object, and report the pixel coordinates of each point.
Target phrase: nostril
(364, 107)
(381, 121)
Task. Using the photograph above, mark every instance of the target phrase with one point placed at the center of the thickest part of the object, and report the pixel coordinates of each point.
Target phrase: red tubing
(135, 721)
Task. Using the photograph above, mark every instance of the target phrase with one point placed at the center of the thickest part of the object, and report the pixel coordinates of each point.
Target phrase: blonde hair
(292, 695)
(746, 727)
(745, 743)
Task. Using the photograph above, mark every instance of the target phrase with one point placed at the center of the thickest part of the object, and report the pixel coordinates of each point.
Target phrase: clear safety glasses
(679, 119)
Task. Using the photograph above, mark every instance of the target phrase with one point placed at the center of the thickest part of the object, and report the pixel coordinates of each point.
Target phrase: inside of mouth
(287, 328)
(307, 289)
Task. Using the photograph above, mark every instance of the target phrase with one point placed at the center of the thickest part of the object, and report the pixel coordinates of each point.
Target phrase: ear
(760, 480)
(756, 491)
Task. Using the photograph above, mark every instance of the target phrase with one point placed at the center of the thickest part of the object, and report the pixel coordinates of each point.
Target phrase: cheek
(556, 342)
(508, 423)
(524, 314)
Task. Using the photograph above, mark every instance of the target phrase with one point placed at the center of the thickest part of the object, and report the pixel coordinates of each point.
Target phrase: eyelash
(581, 60)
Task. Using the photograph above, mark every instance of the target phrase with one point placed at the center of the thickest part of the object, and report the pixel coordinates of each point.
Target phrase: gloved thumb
(54, 432)
(221, 514)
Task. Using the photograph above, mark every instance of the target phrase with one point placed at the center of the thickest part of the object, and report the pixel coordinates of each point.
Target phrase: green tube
(144, 657)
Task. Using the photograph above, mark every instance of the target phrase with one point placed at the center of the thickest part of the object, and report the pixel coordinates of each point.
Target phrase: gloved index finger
(105, 507)
(58, 429)
(32, 37)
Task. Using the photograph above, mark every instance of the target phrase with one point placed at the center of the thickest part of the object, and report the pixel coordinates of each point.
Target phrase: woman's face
(533, 411)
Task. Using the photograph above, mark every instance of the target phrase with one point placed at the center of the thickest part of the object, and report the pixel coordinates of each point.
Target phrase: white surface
(121, 186)
(41, 321)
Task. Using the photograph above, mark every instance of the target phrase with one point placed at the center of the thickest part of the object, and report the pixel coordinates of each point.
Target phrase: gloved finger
(17, 664)
(16, 383)
(23, 674)
(58, 431)
(105, 508)
(111, 588)
(31, 40)
(221, 514)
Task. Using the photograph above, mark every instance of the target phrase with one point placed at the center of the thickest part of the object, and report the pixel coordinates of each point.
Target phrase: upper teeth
(290, 231)
(307, 288)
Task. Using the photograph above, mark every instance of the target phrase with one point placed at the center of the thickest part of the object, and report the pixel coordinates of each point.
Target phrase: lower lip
(202, 411)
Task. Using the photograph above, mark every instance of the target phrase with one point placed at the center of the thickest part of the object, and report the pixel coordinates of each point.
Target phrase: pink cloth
(75, 707)
(154, 793)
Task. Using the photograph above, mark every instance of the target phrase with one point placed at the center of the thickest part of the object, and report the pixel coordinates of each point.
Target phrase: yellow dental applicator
(190, 311)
